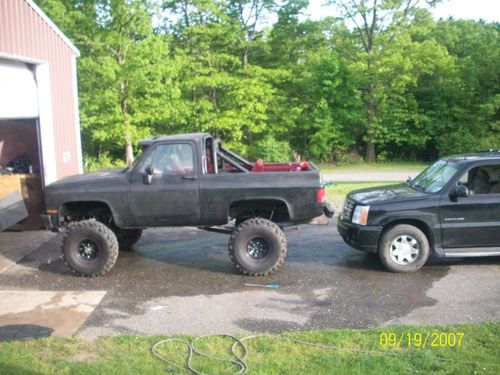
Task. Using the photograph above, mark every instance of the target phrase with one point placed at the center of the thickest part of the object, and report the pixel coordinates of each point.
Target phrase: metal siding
(24, 33)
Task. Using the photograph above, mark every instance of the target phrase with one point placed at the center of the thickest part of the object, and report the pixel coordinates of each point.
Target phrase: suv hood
(384, 194)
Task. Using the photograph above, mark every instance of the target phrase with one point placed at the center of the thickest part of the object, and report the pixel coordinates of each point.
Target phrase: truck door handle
(190, 178)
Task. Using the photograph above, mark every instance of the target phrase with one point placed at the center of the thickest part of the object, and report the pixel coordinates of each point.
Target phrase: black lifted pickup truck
(185, 180)
(452, 208)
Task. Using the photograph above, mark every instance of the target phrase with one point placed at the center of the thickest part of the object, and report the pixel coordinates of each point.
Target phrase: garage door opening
(19, 147)
(21, 167)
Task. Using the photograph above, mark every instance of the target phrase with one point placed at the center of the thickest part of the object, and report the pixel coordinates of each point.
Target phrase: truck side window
(173, 158)
(209, 163)
(483, 180)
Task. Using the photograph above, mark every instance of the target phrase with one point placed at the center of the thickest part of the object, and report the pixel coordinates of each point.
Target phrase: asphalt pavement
(180, 280)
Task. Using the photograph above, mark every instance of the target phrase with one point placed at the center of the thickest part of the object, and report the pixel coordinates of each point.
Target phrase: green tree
(377, 25)
(470, 110)
(123, 63)
(320, 107)
(126, 78)
(384, 78)
(249, 14)
(224, 96)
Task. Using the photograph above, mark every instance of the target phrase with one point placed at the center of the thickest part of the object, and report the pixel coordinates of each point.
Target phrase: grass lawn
(337, 192)
(478, 354)
(374, 167)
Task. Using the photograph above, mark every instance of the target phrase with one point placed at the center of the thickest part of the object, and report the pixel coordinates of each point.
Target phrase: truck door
(170, 194)
(473, 221)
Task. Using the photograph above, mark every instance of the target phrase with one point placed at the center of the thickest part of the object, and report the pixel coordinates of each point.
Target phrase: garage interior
(21, 169)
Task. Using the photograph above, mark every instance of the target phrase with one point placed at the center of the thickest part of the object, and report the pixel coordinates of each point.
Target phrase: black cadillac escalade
(452, 209)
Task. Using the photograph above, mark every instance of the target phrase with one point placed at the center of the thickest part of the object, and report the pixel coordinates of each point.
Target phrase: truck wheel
(127, 237)
(89, 248)
(404, 248)
(257, 247)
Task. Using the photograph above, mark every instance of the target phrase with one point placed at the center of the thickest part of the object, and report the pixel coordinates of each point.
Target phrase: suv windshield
(435, 177)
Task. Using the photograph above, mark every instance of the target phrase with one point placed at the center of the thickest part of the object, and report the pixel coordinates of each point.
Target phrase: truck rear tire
(90, 248)
(403, 248)
(127, 238)
(257, 247)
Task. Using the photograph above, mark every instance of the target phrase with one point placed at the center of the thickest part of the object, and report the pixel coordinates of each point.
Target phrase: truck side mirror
(148, 176)
(460, 191)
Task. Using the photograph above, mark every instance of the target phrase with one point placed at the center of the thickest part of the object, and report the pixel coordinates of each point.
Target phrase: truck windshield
(435, 177)
(137, 158)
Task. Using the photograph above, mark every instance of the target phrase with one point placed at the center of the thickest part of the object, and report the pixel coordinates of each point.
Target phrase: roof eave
(53, 26)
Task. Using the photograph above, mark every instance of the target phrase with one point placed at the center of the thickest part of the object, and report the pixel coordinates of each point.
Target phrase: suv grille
(347, 210)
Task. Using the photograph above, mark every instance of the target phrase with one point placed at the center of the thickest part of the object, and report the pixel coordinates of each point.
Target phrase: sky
(488, 10)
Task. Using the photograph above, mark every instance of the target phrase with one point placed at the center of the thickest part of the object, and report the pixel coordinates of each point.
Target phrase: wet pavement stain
(323, 280)
(63, 312)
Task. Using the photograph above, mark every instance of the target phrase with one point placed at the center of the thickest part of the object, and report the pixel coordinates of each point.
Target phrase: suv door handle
(190, 177)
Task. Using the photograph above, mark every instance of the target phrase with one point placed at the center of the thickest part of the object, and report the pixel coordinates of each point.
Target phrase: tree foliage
(378, 77)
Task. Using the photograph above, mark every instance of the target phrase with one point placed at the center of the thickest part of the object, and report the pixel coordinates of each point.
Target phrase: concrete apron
(64, 312)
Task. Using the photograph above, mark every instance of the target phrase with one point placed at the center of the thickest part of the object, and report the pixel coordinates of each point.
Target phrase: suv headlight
(360, 215)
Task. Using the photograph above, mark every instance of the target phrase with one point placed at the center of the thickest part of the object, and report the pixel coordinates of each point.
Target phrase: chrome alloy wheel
(404, 250)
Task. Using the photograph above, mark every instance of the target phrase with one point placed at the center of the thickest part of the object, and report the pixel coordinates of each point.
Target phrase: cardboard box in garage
(30, 187)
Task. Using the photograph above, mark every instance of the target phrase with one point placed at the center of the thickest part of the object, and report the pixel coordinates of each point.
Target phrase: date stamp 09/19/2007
(420, 340)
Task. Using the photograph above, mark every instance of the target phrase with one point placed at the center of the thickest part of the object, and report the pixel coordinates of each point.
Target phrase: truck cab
(452, 209)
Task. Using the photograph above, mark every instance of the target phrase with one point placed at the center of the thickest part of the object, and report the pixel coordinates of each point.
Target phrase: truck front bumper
(361, 237)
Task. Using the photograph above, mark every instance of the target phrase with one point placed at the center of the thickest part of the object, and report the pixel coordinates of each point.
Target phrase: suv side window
(174, 158)
(481, 180)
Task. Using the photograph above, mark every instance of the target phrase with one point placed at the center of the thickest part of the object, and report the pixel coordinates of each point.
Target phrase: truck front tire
(257, 247)
(90, 248)
(403, 248)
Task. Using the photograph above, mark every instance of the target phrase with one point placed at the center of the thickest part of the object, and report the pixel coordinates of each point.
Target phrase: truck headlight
(360, 215)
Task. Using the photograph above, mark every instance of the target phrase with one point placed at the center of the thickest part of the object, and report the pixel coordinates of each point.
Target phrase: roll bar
(230, 158)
